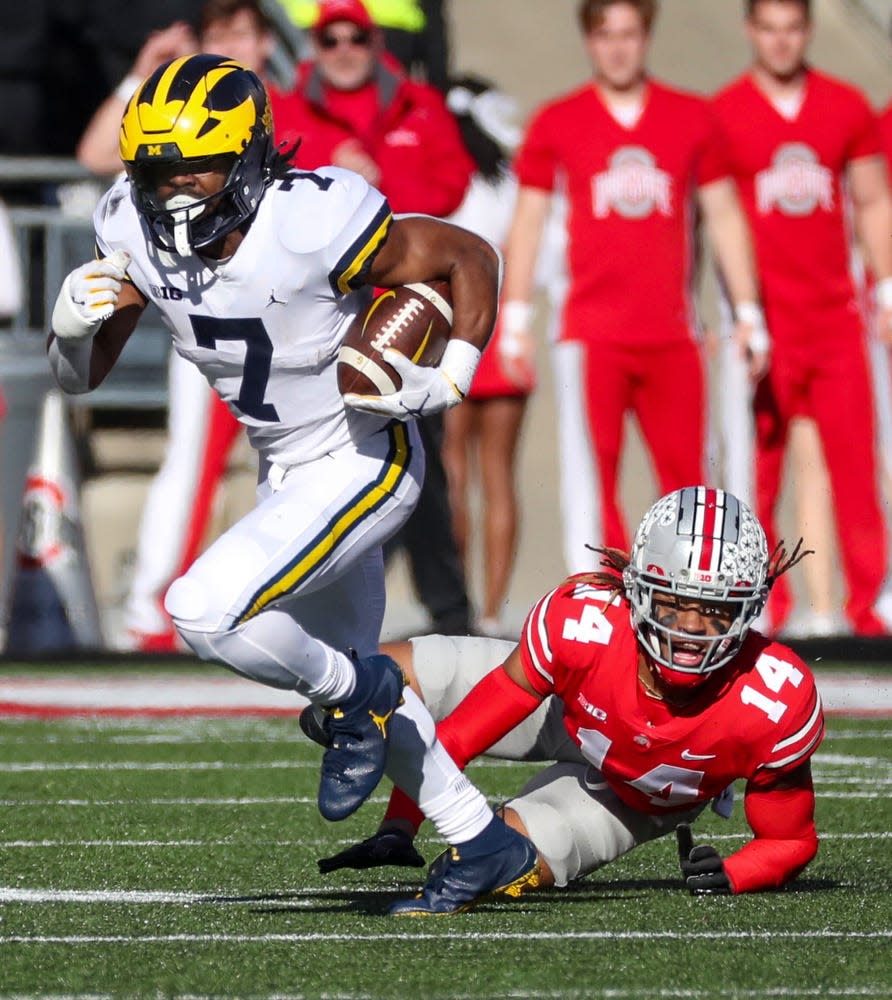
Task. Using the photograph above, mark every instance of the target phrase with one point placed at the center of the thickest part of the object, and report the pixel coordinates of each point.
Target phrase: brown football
(413, 319)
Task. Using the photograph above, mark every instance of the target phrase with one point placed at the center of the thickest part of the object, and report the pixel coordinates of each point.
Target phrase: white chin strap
(185, 209)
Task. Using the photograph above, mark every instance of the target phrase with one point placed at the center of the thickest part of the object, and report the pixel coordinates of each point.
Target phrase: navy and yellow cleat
(498, 862)
(357, 733)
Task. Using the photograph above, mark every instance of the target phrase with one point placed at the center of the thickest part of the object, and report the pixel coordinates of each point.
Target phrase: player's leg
(671, 379)
(842, 386)
(771, 439)
(238, 603)
(578, 824)
(814, 516)
(501, 419)
(442, 670)
(177, 509)
(735, 416)
(881, 369)
(459, 435)
(591, 400)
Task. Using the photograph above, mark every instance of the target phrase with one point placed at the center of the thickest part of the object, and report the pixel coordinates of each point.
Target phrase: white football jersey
(264, 326)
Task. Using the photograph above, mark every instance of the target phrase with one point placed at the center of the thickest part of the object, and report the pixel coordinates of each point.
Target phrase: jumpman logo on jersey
(272, 300)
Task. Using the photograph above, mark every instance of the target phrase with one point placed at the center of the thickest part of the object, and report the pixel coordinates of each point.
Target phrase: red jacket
(413, 138)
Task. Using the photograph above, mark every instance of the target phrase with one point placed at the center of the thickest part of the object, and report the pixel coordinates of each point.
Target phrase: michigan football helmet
(201, 112)
(705, 545)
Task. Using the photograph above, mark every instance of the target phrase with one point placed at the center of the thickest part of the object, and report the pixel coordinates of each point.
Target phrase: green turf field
(177, 857)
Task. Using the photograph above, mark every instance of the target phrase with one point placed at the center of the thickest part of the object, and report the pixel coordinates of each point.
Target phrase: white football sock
(420, 766)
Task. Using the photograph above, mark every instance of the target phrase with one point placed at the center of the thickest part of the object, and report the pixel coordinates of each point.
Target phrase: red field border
(105, 693)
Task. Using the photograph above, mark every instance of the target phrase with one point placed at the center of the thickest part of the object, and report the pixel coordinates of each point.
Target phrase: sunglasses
(359, 40)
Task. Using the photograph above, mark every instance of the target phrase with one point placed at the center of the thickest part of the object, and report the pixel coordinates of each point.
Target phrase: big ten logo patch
(633, 186)
(166, 292)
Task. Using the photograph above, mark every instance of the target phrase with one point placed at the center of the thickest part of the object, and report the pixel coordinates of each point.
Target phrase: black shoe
(507, 865)
(357, 735)
(391, 848)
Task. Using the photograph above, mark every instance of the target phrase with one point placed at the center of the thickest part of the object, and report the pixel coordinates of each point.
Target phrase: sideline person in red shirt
(354, 107)
(639, 162)
(802, 146)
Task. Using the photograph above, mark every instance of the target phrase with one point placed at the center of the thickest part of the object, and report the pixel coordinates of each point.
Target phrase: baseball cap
(343, 10)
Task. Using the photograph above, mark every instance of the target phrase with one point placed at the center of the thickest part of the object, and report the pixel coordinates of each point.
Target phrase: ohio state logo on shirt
(796, 183)
(632, 186)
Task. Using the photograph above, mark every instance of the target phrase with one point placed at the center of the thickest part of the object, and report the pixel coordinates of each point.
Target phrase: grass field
(177, 857)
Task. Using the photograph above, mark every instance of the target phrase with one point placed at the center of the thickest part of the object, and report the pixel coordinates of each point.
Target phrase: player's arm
(729, 237)
(872, 207)
(782, 817)
(419, 248)
(516, 345)
(95, 313)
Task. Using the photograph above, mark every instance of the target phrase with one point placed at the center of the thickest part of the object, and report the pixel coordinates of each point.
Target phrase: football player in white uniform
(258, 269)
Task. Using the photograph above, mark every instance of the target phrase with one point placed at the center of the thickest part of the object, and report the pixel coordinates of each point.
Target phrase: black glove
(391, 848)
(701, 866)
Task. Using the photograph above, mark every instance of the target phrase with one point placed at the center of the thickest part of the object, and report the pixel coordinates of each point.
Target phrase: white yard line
(454, 935)
(331, 842)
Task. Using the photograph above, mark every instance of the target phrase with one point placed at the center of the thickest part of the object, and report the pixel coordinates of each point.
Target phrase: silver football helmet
(705, 545)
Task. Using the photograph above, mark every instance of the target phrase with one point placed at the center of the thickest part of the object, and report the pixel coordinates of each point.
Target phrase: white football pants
(303, 570)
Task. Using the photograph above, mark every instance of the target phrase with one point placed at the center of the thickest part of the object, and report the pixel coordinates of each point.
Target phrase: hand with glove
(390, 848)
(88, 297)
(424, 390)
(701, 866)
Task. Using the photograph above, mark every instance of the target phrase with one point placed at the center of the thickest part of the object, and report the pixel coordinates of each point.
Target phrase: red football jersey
(790, 172)
(756, 717)
(631, 212)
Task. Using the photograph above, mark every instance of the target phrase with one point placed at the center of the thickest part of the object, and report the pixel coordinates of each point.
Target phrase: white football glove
(88, 296)
(424, 390)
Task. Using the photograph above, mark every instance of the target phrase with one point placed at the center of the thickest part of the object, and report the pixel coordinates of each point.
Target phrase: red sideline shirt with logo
(756, 718)
(789, 172)
(631, 208)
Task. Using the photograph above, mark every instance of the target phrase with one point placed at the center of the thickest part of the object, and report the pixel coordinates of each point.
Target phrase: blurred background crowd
(447, 107)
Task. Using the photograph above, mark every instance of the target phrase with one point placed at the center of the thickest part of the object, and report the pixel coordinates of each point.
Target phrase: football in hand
(413, 319)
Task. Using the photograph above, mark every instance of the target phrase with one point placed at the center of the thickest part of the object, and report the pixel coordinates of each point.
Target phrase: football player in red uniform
(651, 668)
(802, 146)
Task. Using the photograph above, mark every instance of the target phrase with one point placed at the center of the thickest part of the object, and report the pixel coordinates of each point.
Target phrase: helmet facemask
(696, 545)
(217, 110)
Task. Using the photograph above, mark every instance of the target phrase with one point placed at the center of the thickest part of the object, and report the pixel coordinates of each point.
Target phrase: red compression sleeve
(783, 821)
(492, 708)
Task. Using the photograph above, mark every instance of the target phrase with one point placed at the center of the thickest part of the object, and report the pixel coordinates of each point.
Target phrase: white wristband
(516, 317)
(884, 293)
(751, 314)
(127, 87)
(458, 364)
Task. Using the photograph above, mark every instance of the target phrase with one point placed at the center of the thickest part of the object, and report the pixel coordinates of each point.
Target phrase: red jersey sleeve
(537, 160)
(535, 644)
(784, 688)
(865, 130)
(566, 634)
(713, 165)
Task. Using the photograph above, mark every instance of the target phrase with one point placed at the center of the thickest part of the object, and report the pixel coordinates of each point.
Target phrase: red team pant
(827, 379)
(597, 385)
